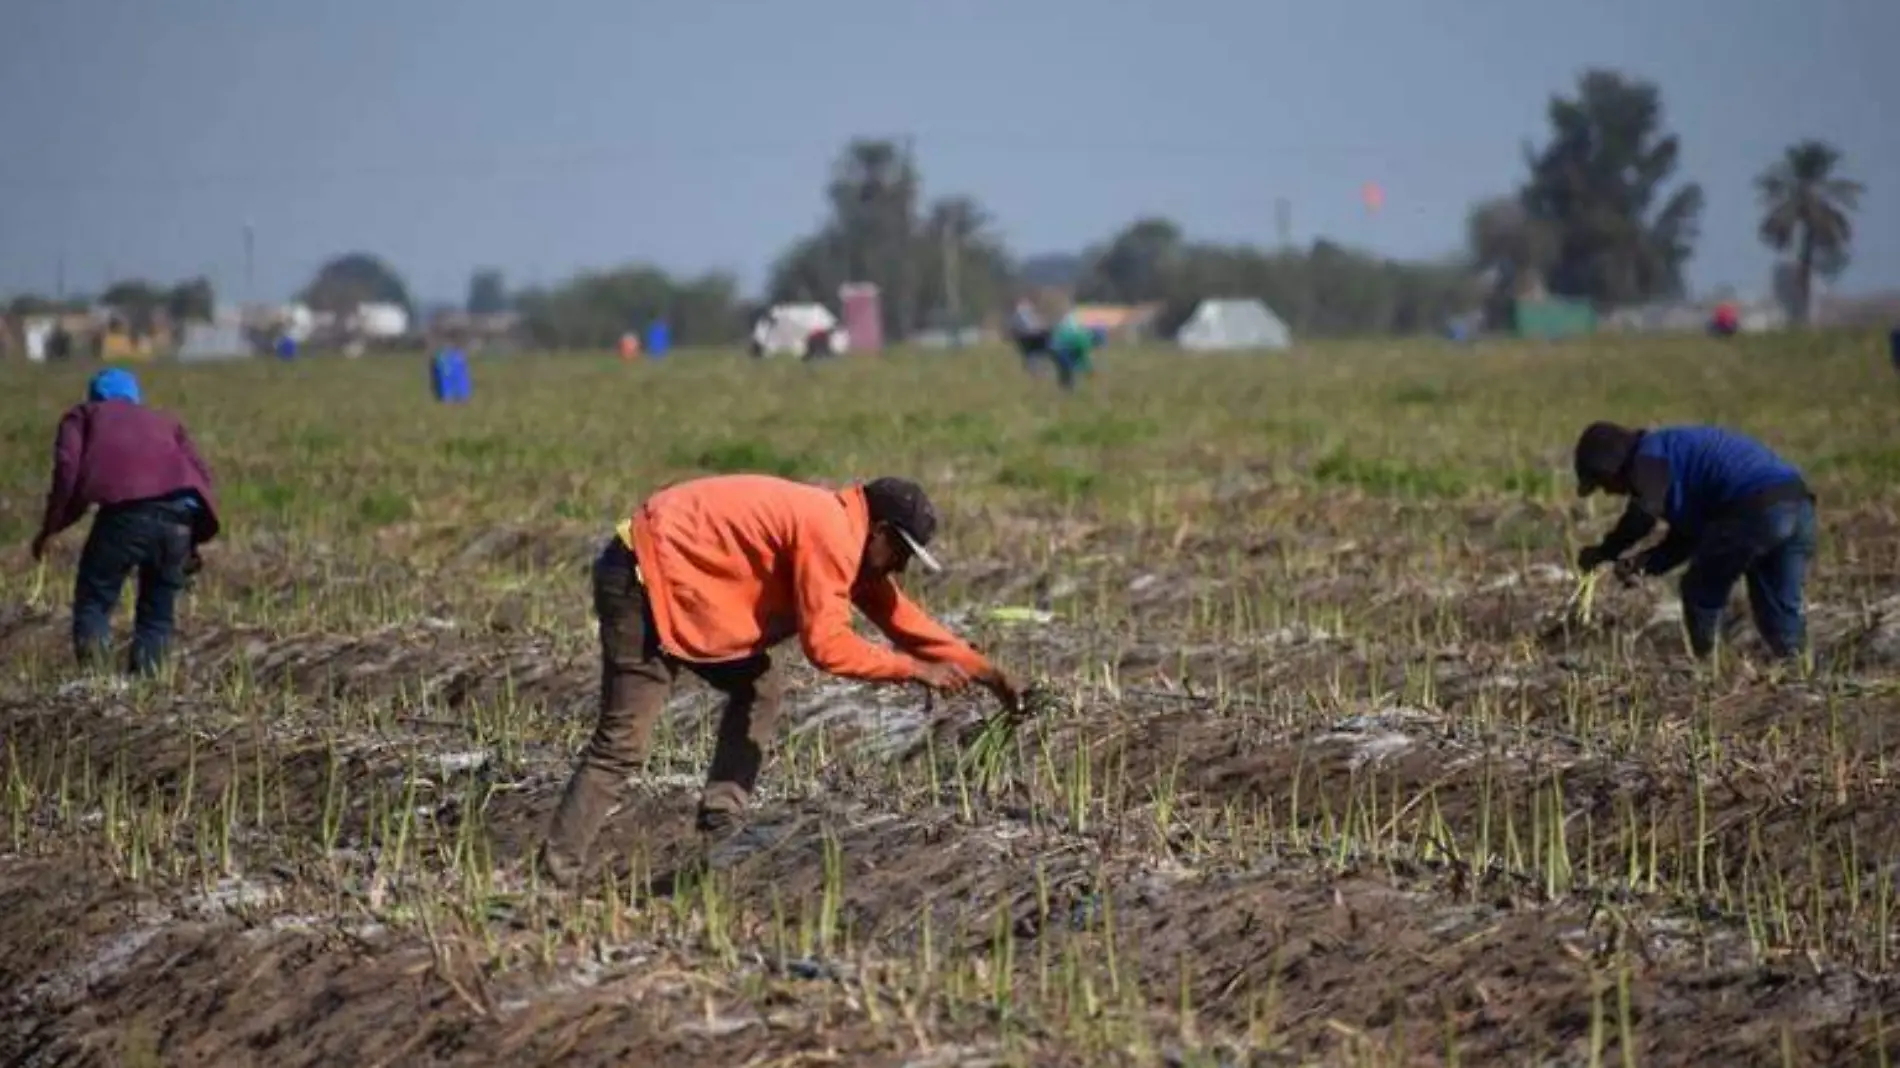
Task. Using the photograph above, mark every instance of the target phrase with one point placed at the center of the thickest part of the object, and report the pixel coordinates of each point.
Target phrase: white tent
(1233, 324)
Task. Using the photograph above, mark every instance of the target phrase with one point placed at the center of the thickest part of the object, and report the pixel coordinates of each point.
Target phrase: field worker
(1071, 343)
(707, 576)
(1027, 331)
(155, 506)
(1734, 510)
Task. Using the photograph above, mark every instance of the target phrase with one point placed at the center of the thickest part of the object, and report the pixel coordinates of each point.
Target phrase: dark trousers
(1770, 548)
(635, 679)
(1032, 343)
(152, 538)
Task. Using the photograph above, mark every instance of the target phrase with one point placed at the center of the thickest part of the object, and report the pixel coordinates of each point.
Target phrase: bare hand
(39, 546)
(943, 678)
(1004, 688)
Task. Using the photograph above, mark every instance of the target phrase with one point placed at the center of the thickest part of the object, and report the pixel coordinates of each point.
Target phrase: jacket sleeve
(1649, 499)
(1649, 481)
(1632, 528)
(823, 571)
(69, 448)
(911, 629)
(1669, 553)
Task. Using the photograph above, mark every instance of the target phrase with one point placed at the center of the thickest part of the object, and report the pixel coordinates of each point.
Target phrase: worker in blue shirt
(1735, 510)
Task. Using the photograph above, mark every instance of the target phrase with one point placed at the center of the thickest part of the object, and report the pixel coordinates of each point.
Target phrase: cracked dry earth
(1291, 805)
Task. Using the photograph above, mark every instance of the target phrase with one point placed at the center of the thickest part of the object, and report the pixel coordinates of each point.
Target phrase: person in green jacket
(1071, 343)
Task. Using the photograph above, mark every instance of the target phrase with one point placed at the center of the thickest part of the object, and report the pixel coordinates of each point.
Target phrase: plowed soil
(1317, 781)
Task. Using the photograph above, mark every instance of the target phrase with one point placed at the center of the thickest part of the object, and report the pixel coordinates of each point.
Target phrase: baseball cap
(1602, 450)
(907, 509)
(113, 383)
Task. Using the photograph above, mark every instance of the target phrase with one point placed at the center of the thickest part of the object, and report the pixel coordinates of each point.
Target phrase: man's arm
(911, 629)
(822, 576)
(1669, 554)
(1632, 528)
(69, 448)
(1649, 498)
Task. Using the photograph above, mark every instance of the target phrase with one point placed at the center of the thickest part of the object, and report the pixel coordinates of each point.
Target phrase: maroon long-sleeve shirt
(115, 451)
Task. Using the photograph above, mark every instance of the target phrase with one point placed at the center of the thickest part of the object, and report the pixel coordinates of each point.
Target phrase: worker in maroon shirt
(155, 506)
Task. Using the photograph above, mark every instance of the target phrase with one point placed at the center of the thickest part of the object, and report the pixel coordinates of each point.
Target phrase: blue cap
(113, 383)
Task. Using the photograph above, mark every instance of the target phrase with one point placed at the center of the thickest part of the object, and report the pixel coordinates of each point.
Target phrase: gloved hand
(1632, 567)
(1591, 558)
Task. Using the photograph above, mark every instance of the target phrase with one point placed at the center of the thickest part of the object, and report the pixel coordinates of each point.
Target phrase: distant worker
(1734, 509)
(1726, 321)
(156, 507)
(1071, 343)
(707, 576)
(1030, 335)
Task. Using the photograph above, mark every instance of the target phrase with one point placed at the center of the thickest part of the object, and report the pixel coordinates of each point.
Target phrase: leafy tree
(27, 304)
(963, 268)
(1327, 289)
(191, 301)
(931, 264)
(1137, 263)
(1808, 206)
(873, 194)
(593, 309)
(947, 263)
(353, 279)
(1601, 186)
(1512, 248)
(487, 292)
(135, 300)
(812, 269)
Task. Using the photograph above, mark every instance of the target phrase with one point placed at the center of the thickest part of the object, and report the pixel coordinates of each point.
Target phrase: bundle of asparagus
(987, 752)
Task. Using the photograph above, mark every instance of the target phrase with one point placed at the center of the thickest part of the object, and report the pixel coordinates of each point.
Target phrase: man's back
(1710, 467)
(113, 452)
(720, 556)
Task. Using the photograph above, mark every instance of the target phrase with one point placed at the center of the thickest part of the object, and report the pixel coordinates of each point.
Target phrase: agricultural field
(1330, 765)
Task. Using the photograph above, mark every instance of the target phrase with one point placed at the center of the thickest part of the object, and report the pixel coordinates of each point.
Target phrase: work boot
(556, 870)
(715, 825)
(725, 836)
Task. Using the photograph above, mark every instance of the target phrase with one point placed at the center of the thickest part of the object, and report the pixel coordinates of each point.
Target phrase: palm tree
(1807, 207)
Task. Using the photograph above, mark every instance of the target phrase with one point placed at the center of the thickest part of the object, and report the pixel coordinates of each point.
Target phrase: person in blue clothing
(1735, 510)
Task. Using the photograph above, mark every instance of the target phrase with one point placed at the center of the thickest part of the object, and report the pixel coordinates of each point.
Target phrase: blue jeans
(1771, 550)
(150, 537)
(1068, 362)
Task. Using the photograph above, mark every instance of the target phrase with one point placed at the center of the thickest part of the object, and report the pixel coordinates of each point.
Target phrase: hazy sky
(141, 135)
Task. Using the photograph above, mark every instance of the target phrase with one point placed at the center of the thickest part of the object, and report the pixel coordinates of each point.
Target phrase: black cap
(904, 505)
(1602, 450)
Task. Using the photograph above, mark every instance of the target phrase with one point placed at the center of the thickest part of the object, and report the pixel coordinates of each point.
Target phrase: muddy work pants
(635, 680)
(151, 539)
(1770, 549)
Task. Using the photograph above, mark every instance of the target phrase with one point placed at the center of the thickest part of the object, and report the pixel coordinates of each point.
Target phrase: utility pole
(907, 286)
(1283, 222)
(952, 299)
(250, 261)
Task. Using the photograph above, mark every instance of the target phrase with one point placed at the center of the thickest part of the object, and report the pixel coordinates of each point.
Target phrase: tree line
(1601, 214)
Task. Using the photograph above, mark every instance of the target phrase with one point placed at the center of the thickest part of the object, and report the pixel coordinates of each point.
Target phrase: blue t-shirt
(1710, 467)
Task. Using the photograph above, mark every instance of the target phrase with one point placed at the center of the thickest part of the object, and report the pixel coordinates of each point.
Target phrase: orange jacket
(734, 564)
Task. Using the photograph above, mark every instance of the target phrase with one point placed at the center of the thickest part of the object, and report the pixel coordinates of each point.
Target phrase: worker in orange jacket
(707, 576)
